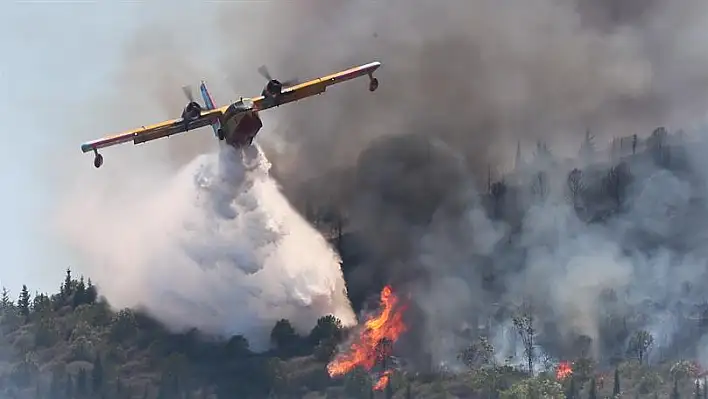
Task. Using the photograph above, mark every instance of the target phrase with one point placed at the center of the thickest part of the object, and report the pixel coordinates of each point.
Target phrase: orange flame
(366, 349)
(563, 371)
(383, 381)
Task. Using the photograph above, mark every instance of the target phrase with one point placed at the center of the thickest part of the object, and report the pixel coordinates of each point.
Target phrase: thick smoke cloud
(462, 83)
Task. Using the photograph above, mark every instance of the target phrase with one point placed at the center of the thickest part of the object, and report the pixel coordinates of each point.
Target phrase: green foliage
(538, 387)
(123, 326)
(616, 389)
(640, 344)
(683, 369)
(478, 354)
(357, 383)
(327, 328)
(284, 337)
(23, 303)
(649, 382)
(592, 394)
(5, 301)
(237, 347)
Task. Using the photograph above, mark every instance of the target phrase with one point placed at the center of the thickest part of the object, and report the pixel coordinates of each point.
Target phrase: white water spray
(217, 247)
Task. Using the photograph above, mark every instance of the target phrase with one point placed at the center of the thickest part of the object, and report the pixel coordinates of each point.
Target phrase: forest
(74, 345)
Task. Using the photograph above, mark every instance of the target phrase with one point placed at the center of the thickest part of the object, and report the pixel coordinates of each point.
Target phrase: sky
(52, 54)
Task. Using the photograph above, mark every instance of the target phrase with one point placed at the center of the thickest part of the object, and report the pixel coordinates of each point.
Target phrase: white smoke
(216, 246)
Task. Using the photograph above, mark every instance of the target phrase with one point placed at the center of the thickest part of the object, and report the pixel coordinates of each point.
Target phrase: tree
(478, 354)
(572, 389)
(540, 186)
(697, 392)
(575, 187)
(66, 288)
(640, 344)
(675, 392)
(524, 325)
(498, 192)
(24, 302)
(616, 182)
(82, 383)
(616, 387)
(283, 336)
(79, 294)
(237, 347)
(327, 327)
(593, 389)
(91, 293)
(41, 303)
(5, 301)
(97, 375)
(587, 148)
(634, 144)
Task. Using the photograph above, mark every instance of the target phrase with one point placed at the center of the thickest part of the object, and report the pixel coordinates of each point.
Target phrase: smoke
(461, 84)
(215, 246)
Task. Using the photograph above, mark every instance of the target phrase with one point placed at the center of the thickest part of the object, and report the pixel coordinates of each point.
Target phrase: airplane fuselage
(240, 123)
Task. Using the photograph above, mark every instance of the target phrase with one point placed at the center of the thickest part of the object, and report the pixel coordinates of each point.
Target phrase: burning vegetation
(564, 370)
(371, 346)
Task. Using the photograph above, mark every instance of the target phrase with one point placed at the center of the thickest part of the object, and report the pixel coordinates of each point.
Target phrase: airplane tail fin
(209, 103)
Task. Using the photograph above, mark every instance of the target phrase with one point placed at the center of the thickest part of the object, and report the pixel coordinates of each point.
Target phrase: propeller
(263, 70)
(188, 92)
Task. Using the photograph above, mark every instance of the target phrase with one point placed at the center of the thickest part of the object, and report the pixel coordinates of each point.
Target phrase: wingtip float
(236, 123)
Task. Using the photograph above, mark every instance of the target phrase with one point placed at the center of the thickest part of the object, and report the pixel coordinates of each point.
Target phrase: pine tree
(570, 394)
(91, 293)
(66, 289)
(80, 294)
(24, 302)
(82, 383)
(5, 301)
(97, 375)
(616, 388)
(593, 389)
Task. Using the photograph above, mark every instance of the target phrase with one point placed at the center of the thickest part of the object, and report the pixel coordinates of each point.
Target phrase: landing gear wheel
(98, 160)
(220, 134)
(373, 84)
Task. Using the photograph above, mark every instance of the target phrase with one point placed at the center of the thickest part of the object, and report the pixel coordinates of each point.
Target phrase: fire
(563, 371)
(383, 381)
(369, 346)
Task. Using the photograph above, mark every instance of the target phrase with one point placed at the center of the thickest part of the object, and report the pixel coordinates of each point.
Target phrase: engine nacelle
(273, 88)
(192, 111)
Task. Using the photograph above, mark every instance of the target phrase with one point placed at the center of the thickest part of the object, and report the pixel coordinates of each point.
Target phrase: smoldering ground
(462, 83)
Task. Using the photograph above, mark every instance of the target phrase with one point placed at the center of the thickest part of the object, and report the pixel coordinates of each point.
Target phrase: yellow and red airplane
(239, 122)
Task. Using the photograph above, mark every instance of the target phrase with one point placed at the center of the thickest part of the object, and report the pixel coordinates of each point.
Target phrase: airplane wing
(156, 131)
(314, 86)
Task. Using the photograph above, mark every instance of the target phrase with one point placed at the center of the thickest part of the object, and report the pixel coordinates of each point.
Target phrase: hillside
(640, 338)
(72, 345)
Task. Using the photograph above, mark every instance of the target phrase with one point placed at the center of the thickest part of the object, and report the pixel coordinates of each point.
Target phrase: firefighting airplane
(239, 122)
